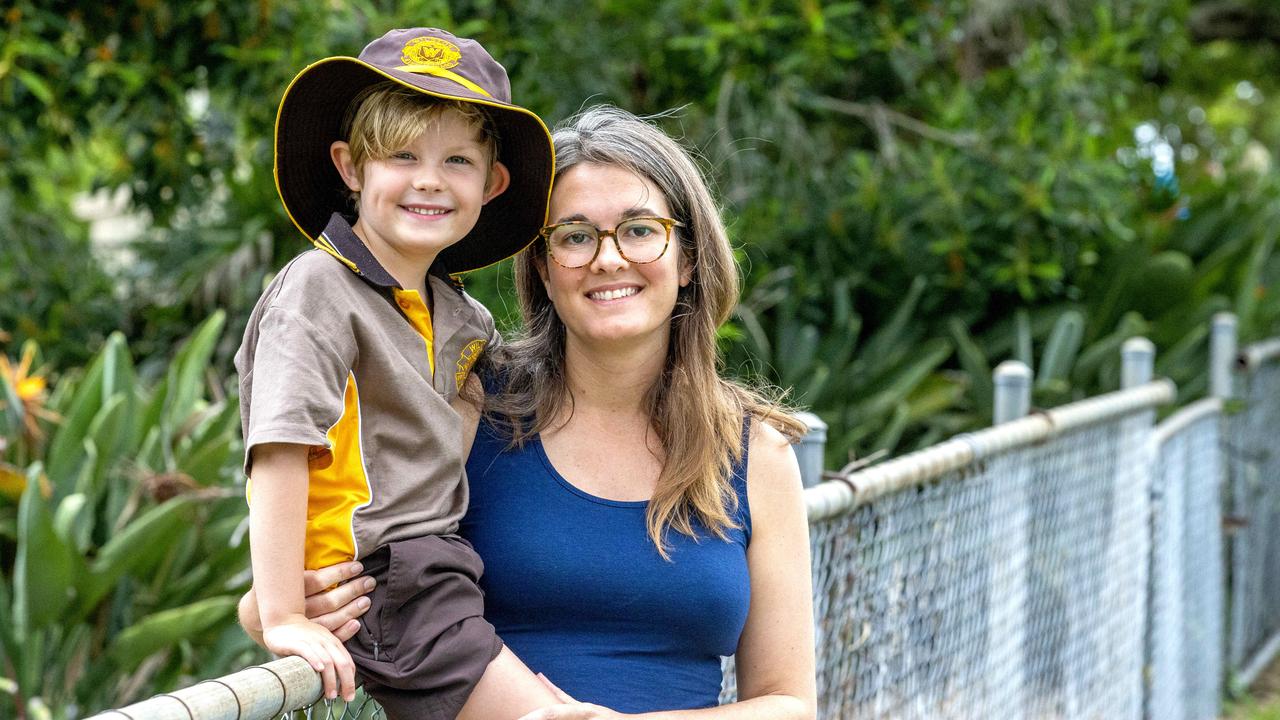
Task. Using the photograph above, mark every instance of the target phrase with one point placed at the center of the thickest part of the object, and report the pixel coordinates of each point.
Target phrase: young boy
(356, 350)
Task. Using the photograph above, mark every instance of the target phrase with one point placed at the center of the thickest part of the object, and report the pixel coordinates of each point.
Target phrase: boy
(356, 349)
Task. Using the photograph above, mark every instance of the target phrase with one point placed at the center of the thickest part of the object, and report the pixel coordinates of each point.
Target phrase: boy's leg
(506, 691)
(424, 650)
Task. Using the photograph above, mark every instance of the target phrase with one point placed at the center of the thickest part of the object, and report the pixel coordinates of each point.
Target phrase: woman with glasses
(638, 514)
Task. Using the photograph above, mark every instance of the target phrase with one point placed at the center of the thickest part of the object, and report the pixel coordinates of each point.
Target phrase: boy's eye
(459, 159)
(402, 155)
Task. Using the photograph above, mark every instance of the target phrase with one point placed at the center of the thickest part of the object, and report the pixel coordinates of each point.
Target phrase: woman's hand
(569, 709)
(337, 609)
(573, 711)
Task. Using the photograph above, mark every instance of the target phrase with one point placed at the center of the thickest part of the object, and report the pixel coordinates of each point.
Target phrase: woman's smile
(613, 294)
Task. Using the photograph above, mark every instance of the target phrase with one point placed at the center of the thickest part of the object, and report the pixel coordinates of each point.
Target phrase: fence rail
(1069, 563)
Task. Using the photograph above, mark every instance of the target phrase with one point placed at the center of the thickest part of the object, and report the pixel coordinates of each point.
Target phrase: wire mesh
(1013, 588)
(1255, 520)
(362, 708)
(1185, 637)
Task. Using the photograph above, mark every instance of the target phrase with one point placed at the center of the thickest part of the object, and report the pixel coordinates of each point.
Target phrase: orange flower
(30, 389)
(13, 481)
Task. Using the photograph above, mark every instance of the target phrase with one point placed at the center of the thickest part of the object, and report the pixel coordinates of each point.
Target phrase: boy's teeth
(614, 294)
(424, 211)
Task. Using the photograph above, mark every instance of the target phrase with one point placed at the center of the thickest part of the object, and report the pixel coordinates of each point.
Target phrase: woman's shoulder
(769, 449)
(773, 473)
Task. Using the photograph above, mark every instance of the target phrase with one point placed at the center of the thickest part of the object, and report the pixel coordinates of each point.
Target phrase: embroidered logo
(432, 52)
(467, 360)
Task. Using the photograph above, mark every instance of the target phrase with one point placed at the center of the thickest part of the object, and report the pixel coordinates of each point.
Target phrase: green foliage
(127, 552)
(918, 191)
(983, 156)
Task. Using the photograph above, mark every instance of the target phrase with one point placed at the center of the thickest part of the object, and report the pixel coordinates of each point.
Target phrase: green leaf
(976, 366)
(43, 579)
(186, 373)
(105, 432)
(163, 629)
(1107, 349)
(65, 453)
(903, 380)
(110, 375)
(1060, 351)
(210, 449)
(35, 84)
(1022, 339)
(13, 408)
(73, 521)
(892, 432)
(1247, 291)
(136, 548)
(890, 336)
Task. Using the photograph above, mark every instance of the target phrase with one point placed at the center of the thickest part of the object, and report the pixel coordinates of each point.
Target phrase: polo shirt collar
(340, 241)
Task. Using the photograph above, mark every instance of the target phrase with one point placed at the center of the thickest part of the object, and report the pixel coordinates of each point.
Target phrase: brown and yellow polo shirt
(339, 357)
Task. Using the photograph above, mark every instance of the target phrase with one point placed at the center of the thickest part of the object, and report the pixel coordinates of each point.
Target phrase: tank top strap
(738, 477)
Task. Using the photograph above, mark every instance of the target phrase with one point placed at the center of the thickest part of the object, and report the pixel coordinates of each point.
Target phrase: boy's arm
(335, 599)
(277, 534)
(469, 403)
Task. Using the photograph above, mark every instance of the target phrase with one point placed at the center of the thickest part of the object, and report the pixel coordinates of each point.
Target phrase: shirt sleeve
(296, 386)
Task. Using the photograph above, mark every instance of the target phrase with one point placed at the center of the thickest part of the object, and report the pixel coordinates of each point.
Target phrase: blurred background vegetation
(919, 190)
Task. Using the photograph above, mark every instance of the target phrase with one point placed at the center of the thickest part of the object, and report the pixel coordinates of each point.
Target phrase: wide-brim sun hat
(436, 63)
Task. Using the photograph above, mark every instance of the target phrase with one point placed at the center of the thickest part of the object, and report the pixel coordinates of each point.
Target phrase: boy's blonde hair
(387, 116)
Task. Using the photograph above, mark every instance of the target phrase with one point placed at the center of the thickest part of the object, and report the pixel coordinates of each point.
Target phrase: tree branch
(879, 116)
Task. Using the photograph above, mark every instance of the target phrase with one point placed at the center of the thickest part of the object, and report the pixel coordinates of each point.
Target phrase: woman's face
(612, 300)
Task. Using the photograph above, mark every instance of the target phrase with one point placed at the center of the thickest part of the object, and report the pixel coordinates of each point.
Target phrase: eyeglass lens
(641, 240)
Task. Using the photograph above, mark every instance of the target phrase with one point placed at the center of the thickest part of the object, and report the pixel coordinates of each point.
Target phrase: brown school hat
(435, 63)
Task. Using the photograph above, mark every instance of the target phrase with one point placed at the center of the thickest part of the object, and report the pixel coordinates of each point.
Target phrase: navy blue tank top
(577, 590)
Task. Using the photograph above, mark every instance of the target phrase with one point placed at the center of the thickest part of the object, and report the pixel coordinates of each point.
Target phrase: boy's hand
(313, 643)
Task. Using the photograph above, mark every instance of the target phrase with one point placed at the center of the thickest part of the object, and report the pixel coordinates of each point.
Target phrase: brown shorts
(424, 643)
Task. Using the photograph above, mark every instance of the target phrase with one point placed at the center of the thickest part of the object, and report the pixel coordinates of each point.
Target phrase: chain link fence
(1254, 520)
(1185, 639)
(999, 575)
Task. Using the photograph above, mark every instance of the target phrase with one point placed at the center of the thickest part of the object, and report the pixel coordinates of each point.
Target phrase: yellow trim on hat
(447, 75)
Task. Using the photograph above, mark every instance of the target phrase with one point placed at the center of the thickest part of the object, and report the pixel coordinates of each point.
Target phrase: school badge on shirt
(467, 360)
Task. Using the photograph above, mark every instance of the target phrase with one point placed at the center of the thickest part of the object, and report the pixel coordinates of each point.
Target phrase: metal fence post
(1137, 362)
(1136, 479)
(1222, 355)
(811, 448)
(1009, 547)
(1223, 340)
(1012, 381)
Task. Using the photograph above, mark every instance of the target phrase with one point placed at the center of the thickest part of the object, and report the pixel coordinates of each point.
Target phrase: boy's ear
(499, 180)
(340, 152)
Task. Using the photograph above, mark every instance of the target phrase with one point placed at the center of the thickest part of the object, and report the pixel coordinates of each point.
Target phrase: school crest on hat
(433, 51)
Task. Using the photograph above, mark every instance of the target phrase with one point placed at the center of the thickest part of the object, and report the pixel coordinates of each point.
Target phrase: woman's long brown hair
(697, 414)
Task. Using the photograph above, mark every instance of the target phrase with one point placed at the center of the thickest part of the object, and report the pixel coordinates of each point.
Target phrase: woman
(638, 514)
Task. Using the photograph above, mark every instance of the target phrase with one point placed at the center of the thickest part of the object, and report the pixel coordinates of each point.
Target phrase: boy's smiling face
(424, 197)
